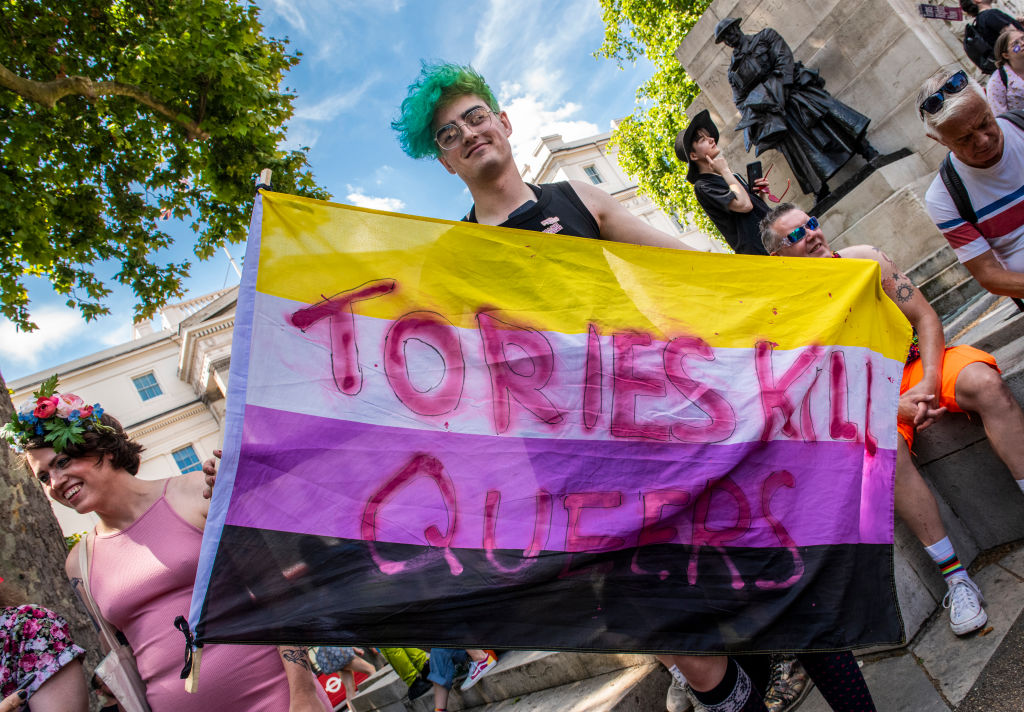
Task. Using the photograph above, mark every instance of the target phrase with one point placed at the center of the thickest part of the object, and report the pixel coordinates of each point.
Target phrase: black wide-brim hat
(684, 141)
(724, 25)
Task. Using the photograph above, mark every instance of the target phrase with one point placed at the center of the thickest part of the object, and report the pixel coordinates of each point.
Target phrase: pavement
(939, 671)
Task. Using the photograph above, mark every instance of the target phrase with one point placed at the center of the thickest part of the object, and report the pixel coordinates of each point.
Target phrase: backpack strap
(955, 187)
(1015, 117)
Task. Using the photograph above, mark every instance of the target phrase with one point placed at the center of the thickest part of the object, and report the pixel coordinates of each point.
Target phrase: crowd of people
(140, 560)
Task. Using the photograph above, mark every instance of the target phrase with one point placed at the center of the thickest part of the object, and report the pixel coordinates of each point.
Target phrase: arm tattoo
(297, 656)
(903, 288)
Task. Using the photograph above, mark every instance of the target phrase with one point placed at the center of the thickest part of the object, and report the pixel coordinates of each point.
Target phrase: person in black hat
(735, 208)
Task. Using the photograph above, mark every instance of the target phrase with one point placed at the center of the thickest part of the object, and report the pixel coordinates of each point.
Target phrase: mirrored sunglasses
(801, 232)
(954, 85)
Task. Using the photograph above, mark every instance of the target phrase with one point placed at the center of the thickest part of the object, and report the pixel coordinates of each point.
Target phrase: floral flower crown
(61, 418)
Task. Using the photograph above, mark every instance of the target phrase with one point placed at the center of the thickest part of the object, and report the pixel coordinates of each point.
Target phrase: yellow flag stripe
(313, 249)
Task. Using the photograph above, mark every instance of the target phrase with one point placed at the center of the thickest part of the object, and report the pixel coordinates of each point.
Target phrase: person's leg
(719, 683)
(915, 503)
(349, 681)
(399, 659)
(64, 691)
(440, 698)
(360, 665)
(839, 680)
(442, 674)
(418, 657)
(980, 388)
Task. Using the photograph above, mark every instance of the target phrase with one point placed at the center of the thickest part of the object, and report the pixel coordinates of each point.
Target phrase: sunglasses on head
(801, 232)
(954, 85)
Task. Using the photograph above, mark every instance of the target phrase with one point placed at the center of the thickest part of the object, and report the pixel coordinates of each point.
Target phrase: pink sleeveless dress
(141, 579)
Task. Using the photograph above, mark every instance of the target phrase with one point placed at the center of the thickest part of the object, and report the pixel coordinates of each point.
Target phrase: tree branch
(49, 93)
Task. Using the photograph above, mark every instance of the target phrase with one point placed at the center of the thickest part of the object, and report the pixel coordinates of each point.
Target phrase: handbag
(118, 670)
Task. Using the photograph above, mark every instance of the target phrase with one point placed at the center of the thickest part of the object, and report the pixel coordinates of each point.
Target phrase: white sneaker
(478, 670)
(964, 601)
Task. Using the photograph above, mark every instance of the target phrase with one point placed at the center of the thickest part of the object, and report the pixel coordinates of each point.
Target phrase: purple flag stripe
(327, 477)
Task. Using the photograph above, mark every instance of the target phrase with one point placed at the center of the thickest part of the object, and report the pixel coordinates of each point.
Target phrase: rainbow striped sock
(951, 567)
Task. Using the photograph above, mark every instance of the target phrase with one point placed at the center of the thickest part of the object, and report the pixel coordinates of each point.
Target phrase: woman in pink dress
(143, 558)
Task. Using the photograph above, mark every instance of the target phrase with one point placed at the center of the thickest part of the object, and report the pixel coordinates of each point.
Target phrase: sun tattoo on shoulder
(903, 288)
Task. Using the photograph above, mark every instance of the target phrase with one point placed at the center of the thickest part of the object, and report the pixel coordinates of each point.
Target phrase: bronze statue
(784, 105)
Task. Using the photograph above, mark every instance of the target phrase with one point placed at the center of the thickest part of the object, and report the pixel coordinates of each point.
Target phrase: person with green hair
(451, 114)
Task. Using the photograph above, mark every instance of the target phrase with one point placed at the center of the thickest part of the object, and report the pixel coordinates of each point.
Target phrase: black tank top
(558, 210)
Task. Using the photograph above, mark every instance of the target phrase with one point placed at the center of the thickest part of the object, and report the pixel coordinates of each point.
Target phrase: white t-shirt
(997, 196)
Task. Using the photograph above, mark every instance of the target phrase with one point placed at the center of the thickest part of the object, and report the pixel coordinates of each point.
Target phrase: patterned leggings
(839, 680)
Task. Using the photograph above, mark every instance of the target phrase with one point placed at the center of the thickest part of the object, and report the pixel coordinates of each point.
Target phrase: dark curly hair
(124, 452)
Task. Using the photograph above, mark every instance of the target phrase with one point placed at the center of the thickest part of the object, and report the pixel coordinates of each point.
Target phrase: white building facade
(594, 161)
(166, 387)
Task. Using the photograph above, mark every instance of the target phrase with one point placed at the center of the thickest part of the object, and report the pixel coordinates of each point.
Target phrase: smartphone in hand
(754, 172)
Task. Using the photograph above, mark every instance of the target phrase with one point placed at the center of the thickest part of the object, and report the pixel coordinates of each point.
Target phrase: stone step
(517, 674)
(931, 265)
(958, 322)
(381, 691)
(949, 277)
(522, 672)
(955, 297)
(632, 689)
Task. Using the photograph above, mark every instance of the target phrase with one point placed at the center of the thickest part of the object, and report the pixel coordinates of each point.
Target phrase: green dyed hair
(437, 86)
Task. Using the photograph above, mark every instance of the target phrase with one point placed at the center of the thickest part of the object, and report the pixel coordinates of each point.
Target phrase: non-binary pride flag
(446, 434)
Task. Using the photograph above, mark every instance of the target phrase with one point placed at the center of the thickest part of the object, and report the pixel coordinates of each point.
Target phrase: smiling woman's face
(75, 482)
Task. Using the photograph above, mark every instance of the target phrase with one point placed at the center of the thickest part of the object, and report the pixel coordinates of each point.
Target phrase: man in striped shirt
(988, 155)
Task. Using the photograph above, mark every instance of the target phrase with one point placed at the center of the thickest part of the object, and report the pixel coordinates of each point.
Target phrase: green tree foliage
(116, 114)
(646, 139)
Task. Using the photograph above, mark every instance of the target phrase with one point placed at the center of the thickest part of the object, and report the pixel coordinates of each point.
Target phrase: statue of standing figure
(784, 105)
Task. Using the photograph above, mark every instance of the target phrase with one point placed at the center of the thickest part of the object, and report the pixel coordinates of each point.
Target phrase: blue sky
(357, 59)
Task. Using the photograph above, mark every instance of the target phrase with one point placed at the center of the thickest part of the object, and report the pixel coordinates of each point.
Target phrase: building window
(187, 460)
(593, 175)
(147, 386)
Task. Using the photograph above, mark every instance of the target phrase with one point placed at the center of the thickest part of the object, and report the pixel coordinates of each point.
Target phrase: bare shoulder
(185, 495)
(186, 484)
(71, 564)
(592, 197)
(865, 252)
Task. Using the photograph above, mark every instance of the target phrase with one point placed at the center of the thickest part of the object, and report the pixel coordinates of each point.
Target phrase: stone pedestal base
(887, 211)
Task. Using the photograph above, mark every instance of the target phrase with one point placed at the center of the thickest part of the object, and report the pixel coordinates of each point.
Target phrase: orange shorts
(954, 361)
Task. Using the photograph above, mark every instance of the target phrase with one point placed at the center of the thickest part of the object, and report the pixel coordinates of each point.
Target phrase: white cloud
(58, 327)
(304, 128)
(329, 108)
(533, 118)
(289, 13)
(528, 42)
(357, 197)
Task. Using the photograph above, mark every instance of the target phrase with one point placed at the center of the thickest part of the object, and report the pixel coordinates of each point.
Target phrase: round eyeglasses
(448, 136)
(801, 232)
